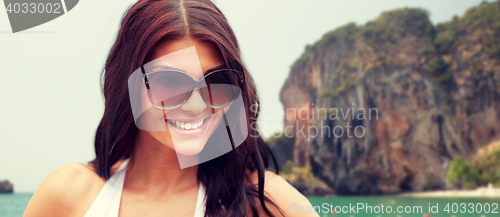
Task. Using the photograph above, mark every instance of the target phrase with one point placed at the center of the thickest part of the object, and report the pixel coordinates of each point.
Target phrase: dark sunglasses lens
(221, 88)
(169, 88)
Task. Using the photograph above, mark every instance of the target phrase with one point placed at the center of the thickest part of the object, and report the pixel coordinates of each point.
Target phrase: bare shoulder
(66, 191)
(284, 195)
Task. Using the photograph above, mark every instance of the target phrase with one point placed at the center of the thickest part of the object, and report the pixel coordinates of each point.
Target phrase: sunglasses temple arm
(228, 129)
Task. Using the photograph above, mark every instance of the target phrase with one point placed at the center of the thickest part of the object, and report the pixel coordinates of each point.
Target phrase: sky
(49, 75)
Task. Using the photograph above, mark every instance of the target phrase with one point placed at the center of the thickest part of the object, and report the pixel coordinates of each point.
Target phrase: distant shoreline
(488, 192)
(17, 192)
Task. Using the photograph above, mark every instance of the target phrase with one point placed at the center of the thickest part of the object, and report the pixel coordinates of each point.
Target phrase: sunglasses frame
(240, 79)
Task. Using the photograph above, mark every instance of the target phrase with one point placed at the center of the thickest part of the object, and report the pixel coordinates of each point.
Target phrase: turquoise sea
(13, 205)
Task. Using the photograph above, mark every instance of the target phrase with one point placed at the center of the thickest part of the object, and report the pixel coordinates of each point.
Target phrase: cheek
(219, 116)
(165, 112)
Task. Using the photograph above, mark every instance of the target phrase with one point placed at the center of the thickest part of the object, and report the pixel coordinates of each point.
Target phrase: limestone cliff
(420, 95)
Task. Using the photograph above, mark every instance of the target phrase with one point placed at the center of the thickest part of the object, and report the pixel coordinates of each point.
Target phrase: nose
(195, 103)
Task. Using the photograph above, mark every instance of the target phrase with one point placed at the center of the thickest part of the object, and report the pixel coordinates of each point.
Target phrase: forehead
(191, 56)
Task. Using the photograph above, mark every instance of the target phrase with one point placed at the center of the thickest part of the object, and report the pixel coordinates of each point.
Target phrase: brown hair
(144, 25)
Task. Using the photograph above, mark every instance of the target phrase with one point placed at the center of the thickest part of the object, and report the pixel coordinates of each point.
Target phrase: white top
(107, 203)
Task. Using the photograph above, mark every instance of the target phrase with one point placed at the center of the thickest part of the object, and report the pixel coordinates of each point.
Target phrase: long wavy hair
(143, 26)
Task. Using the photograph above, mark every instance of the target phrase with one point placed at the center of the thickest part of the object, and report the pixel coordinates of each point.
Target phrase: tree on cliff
(462, 174)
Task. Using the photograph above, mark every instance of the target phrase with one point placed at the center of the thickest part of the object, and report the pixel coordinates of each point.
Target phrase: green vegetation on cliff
(465, 44)
(445, 39)
(344, 32)
(302, 178)
(469, 175)
(389, 27)
(487, 15)
(280, 145)
(462, 173)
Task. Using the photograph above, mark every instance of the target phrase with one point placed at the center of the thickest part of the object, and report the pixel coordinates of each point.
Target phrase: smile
(187, 125)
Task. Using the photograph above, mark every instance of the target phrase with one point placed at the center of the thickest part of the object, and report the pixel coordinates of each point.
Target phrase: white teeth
(185, 126)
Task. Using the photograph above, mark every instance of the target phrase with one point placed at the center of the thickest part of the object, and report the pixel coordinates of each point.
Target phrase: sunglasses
(169, 89)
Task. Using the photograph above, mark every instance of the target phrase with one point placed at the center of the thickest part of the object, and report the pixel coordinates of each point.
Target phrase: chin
(189, 147)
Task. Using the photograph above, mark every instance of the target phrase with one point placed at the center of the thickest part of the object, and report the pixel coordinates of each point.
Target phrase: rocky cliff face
(384, 107)
(6, 187)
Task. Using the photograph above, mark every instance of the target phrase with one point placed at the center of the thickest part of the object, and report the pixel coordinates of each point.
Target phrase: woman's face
(189, 126)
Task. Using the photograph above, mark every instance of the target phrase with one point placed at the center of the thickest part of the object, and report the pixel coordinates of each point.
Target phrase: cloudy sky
(49, 75)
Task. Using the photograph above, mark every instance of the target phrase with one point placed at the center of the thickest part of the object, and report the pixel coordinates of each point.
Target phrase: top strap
(107, 202)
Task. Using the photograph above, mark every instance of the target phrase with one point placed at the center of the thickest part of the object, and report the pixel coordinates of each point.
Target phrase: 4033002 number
(33, 8)
(471, 208)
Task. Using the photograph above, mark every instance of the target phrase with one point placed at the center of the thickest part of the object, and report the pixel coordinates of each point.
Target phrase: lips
(187, 125)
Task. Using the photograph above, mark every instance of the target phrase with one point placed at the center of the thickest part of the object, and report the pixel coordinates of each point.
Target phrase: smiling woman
(174, 139)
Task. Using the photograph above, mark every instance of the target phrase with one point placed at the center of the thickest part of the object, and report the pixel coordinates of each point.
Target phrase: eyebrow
(165, 67)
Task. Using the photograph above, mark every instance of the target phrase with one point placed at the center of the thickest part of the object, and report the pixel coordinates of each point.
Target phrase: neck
(155, 168)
